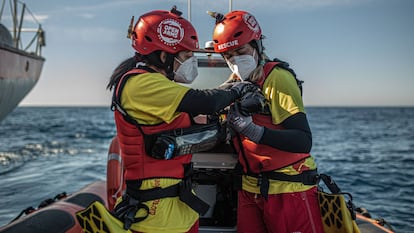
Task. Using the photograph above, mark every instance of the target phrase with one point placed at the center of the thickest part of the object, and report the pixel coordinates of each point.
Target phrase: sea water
(369, 151)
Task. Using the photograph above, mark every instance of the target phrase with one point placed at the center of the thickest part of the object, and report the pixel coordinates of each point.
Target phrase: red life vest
(137, 163)
(257, 158)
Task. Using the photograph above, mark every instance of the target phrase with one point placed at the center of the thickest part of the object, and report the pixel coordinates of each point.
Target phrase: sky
(348, 52)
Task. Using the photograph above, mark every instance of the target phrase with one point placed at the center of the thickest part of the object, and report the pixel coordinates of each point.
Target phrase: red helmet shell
(163, 30)
(236, 29)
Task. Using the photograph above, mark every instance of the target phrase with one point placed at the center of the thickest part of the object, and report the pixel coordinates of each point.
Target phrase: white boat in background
(20, 62)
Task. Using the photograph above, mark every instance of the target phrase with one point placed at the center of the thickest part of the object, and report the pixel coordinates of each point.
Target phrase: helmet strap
(154, 58)
(258, 45)
(169, 65)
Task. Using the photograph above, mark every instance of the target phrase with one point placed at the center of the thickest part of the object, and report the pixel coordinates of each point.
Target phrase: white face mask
(187, 71)
(242, 65)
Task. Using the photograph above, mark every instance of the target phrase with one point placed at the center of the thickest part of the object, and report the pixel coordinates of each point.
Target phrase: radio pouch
(196, 138)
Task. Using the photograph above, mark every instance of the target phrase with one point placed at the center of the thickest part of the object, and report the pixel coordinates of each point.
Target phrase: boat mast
(19, 30)
(14, 19)
(189, 10)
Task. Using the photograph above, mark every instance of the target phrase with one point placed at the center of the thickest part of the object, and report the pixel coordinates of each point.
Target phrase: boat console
(215, 182)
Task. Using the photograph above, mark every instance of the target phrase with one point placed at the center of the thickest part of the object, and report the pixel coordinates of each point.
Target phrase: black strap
(133, 200)
(330, 183)
(187, 196)
(153, 194)
(126, 210)
(307, 178)
(182, 190)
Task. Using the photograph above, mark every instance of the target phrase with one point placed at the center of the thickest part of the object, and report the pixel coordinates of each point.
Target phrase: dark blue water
(368, 151)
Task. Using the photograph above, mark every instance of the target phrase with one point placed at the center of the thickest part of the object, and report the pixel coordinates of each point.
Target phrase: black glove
(241, 88)
(251, 102)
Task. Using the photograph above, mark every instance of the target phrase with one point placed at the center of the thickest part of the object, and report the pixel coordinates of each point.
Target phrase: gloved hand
(251, 102)
(244, 124)
(241, 88)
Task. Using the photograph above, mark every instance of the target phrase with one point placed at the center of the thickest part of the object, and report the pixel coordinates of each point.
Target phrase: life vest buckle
(126, 210)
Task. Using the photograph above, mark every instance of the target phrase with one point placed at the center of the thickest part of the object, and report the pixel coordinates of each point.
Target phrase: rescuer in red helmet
(279, 192)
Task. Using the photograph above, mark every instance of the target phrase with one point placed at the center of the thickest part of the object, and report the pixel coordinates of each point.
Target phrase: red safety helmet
(163, 30)
(234, 30)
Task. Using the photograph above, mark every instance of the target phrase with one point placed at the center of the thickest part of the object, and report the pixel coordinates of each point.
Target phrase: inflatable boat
(213, 172)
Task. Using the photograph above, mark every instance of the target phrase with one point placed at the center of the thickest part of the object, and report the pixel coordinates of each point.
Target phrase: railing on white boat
(34, 39)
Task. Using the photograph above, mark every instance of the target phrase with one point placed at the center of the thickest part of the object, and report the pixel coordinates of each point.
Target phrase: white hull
(19, 72)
